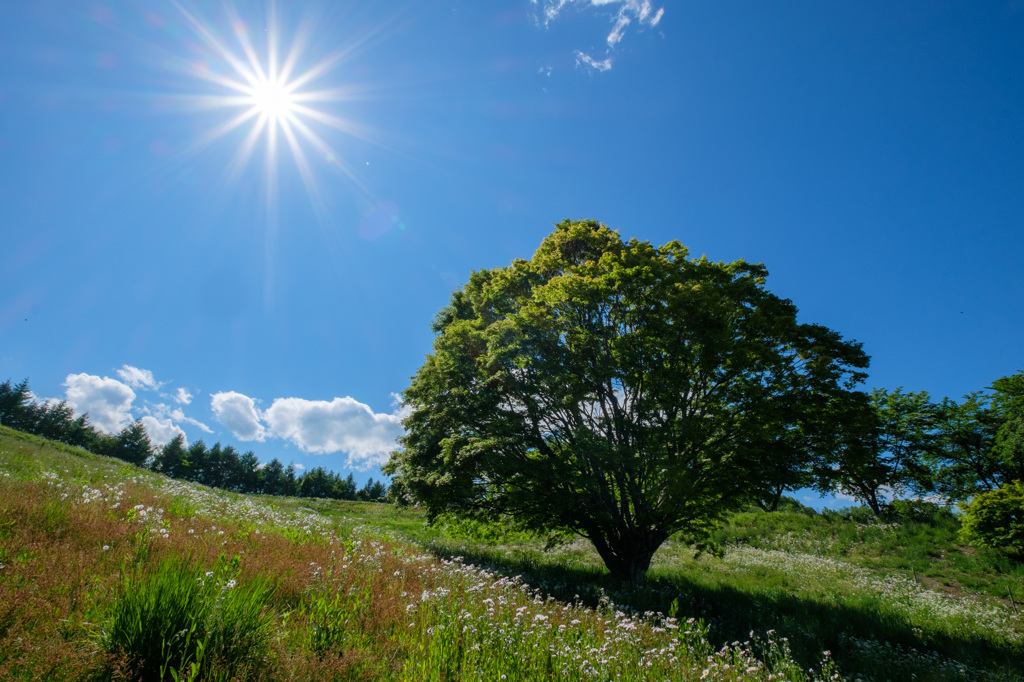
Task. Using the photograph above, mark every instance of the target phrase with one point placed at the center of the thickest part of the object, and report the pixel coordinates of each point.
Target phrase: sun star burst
(272, 99)
(272, 96)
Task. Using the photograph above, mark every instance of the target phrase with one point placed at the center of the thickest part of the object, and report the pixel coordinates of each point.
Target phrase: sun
(268, 92)
(273, 99)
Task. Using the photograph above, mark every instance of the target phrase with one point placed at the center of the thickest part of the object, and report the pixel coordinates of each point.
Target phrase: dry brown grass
(63, 561)
(55, 572)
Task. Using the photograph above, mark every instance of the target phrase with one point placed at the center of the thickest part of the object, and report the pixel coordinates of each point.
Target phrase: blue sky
(161, 258)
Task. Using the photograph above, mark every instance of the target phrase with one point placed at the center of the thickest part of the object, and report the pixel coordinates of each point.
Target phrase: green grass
(180, 620)
(366, 591)
(838, 582)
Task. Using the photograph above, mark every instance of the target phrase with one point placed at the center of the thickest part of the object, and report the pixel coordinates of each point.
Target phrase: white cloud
(584, 58)
(628, 11)
(137, 378)
(106, 400)
(239, 414)
(342, 425)
(183, 397)
(160, 431)
(165, 413)
(179, 416)
(401, 410)
(620, 30)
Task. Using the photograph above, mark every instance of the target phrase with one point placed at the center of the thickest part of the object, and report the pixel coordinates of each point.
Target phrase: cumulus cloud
(341, 425)
(137, 378)
(107, 401)
(626, 12)
(161, 431)
(182, 396)
(315, 426)
(238, 413)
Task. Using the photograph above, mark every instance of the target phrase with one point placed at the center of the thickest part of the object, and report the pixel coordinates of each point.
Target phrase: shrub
(788, 504)
(996, 518)
(918, 511)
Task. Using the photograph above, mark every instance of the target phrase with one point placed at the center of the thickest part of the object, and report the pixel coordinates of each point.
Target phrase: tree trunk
(628, 555)
(872, 499)
(771, 503)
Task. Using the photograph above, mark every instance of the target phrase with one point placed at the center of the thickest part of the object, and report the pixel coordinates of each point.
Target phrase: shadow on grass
(811, 626)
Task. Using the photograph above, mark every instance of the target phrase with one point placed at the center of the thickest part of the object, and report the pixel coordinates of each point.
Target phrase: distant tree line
(218, 466)
(901, 444)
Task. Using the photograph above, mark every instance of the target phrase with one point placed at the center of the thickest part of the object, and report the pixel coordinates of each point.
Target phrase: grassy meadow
(111, 572)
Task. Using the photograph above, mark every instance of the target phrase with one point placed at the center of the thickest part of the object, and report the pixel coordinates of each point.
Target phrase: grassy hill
(108, 571)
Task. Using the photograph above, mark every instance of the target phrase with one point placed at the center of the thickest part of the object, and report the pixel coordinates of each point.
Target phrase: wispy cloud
(137, 378)
(163, 412)
(626, 12)
(584, 58)
(182, 396)
(401, 410)
(179, 416)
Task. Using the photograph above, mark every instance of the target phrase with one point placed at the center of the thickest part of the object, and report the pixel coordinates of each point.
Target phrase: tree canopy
(886, 447)
(979, 443)
(619, 391)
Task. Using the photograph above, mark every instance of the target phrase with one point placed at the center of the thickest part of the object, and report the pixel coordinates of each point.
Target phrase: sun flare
(273, 99)
(271, 95)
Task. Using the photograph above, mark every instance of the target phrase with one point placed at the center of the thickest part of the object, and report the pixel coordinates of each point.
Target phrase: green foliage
(172, 459)
(373, 491)
(886, 451)
(16, 406)
(996, 518)
(841, 580)
(788, 504)
(316, 483)
(133, 445)
(918, 511)
(488, 531)
(621, 392)
(333, 612)
(183, 621)
(1009, 402)
(980, 441)
(964, 460)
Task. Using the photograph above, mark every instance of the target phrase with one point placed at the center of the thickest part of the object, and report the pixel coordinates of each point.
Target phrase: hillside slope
(108, 571)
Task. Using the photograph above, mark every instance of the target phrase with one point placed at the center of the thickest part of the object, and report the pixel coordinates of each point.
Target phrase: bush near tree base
(996, 518)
